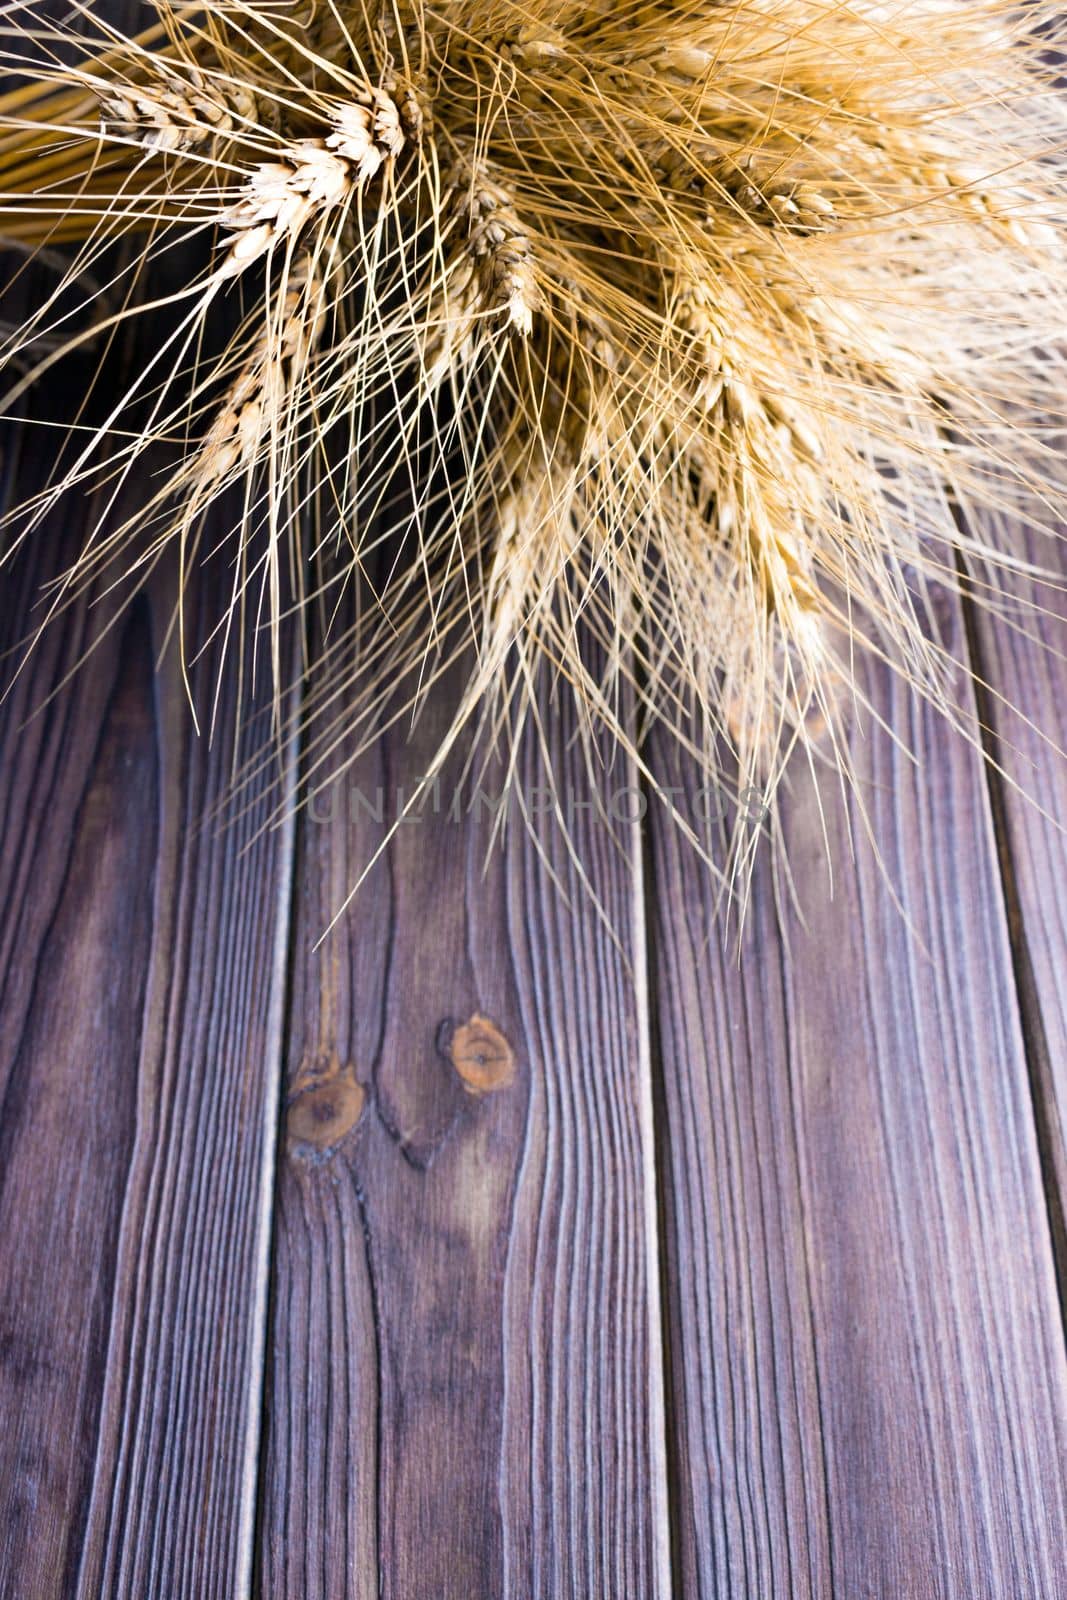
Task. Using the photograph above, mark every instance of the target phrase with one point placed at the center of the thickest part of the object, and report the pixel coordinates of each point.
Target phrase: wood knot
(325, 1103)
(481, 1055)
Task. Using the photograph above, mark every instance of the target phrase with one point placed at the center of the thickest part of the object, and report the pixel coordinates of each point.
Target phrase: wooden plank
(466, 1382)
(140, 954)
(1021, 656)
(76, 859)
(869, 1388)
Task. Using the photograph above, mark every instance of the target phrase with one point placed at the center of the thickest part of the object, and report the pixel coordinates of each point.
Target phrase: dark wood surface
(1021, 660)
(869, 1392)
(465, 1385)
(494, 1246)
(142, 960)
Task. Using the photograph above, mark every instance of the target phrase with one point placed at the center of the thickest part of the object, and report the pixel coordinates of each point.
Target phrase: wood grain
(465, 1394)
(1021, 660)
(869, 1388)
(139, 1053)
(78, 843)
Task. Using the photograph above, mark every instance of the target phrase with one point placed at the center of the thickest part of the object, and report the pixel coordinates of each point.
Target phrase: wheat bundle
(720, 305)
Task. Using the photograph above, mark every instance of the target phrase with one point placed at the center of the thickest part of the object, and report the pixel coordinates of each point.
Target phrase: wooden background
(477, 1252)
(492, 1247)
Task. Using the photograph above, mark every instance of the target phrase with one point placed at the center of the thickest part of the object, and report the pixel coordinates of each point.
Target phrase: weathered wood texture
(867, 1390)
(139, 1052)
(466, 1379)
(868, 1382)
(1021, 657)
(462, 1394)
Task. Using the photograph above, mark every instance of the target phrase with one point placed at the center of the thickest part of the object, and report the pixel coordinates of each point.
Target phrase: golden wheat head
(663, 334)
